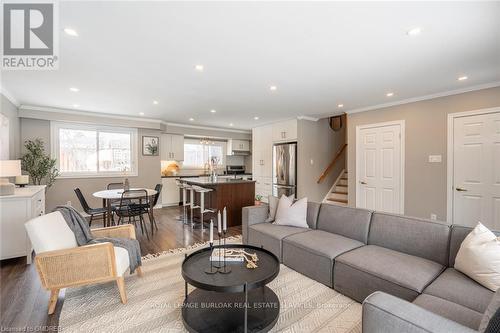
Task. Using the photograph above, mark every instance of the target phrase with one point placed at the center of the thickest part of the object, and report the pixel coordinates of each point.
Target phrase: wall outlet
(433, 217)
(435, 158)
(68, 203)
(312, 161)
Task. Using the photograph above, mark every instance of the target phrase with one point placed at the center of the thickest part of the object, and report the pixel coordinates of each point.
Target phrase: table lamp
(8, 168)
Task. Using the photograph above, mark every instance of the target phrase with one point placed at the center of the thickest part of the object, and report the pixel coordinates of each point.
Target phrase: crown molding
(222, 129)
(308, 118)
(86, 113)
(426, 97)
(9, 96)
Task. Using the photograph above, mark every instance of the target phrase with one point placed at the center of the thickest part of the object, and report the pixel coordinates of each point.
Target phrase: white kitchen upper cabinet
(285, 131)
(177, 147)
(235, 146)
(172, 147)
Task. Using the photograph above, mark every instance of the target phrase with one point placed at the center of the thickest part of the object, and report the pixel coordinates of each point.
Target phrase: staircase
(338, 193)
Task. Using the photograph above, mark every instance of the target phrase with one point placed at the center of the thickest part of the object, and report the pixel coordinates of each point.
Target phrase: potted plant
(258, 200)
(39, 165)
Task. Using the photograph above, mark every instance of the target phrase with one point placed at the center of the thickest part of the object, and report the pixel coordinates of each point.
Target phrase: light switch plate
(435, 158)
(433, 217)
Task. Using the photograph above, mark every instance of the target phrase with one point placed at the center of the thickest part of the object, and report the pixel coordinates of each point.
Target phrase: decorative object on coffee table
(243, 291)
(211, 269)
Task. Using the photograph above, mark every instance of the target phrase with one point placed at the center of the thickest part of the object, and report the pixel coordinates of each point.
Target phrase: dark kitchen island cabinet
(234, 194)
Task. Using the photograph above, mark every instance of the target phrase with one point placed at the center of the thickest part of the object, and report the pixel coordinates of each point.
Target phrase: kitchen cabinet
(172, 147)
(237, 146)
(262, 159)
(285, 131)
(170, 194)
(25, 204)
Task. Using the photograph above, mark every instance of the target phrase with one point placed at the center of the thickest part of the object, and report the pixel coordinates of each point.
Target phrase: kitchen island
(232, 193)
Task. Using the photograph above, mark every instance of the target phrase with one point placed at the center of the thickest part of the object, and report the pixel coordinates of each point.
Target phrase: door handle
(362, 182)
(459, 189)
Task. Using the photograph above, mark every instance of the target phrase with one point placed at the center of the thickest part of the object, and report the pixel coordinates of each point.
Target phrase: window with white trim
(85, 150)
(197, 154)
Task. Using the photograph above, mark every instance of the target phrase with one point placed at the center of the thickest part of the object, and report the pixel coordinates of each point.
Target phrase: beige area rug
(155, 300)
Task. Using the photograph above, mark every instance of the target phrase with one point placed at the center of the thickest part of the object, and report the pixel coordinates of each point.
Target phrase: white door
(476, 170)
(379, 167)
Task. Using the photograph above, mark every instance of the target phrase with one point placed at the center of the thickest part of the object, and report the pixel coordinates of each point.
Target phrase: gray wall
(317, 142)
(62, 190)
(10, 111)
(426, 134)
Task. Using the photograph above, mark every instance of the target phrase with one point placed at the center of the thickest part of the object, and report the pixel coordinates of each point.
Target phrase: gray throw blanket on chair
(81, 229)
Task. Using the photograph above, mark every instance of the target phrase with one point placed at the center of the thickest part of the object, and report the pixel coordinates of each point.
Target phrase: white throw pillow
(290, 213)
(479, 257)
(273, 206)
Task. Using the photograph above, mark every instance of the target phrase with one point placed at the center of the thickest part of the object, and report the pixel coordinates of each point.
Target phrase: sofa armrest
(76, 266)
(252, 215)
(384, 313)
(119, 231)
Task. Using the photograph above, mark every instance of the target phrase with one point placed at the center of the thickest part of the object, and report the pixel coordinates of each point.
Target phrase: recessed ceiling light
(199, 68)
(213, 111)
(273, 88)
(76, 105)
(340, 105)
(231, 124)
(74, 89)
(141, 113)
(191, 119)
(414, 31)
(155, 102)
(256, 118)
(462, 78)
(71, 32)
(389, 94)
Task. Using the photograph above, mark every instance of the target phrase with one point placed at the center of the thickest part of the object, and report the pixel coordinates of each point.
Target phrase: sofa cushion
(270, 236)
(417, 237)
(450, 310)
(367, 269)
(122, 260)
(456, 287)
(50, 232)
(458, 234)
(345, 221)
(312, 253)
(312, 214)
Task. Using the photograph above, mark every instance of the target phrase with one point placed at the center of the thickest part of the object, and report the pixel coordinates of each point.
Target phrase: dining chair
(156, 197)
(99, 212)
(133, 205)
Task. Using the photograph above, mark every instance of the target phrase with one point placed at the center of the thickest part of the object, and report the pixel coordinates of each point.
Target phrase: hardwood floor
(23, 305)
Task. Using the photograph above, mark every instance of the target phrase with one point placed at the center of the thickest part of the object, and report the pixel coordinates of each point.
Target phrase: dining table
(108, 196)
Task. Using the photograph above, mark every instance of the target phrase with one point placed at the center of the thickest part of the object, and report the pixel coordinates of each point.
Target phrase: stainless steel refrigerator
(285, 169)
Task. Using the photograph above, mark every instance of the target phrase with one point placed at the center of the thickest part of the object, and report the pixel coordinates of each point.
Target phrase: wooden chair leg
(54, 294)
(139, 271)
(121, 287)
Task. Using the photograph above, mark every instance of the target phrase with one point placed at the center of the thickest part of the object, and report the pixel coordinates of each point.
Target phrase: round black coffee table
(238, 301)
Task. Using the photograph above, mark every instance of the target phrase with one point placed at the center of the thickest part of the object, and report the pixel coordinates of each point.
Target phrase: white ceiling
(318, 55)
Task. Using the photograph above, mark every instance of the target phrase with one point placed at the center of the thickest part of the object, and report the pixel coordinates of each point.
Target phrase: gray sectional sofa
(401, 267)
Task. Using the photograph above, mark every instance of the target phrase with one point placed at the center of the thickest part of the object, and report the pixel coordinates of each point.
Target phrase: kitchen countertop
(205, 176)
(219, 181)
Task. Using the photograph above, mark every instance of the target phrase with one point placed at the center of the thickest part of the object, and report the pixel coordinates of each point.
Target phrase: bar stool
(203, 210)
(184, 187)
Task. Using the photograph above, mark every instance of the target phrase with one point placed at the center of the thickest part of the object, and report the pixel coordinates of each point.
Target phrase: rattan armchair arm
(77, 266)
(120, 231)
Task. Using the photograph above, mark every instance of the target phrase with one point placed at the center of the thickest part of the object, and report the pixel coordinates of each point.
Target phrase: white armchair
(61, 263)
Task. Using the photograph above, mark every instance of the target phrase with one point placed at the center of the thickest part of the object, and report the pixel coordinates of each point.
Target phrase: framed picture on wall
(150, 145)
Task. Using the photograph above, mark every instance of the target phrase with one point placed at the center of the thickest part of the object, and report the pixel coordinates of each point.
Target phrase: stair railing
(330, 166)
